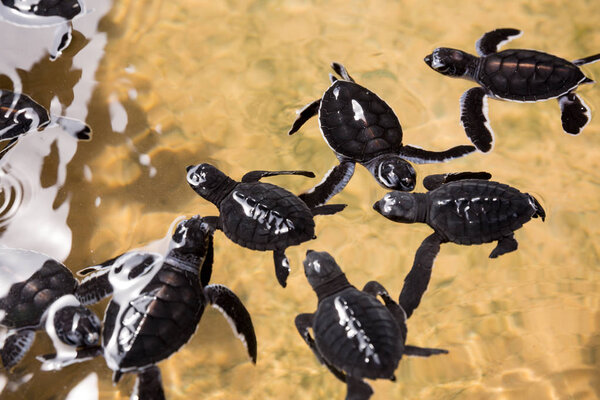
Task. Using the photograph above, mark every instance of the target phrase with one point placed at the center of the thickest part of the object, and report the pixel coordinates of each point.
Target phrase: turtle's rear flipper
(474, 118)
(587, 60)
(432, 182)
(575, 113)
(224, 300)
(505, 245)
(357, 389)
(415, 283)
(74, 127)
(282, 267)
(304, 114)
(255, 176)
(148, 385)
(415, 351)
(15, 347)
(50, 362)
(334, 182)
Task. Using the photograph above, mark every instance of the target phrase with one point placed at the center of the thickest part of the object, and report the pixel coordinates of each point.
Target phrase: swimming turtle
(37, 292)
(43, 13)
(464, 208)
(257, 215)
(19, 115)
(157, 302)
(355, 335)
(514, 75)
(361, 128)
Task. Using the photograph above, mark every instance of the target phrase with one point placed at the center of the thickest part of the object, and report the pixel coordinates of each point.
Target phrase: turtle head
(449, 62)
(399, 207)
(206, 180)
(393, 172)
(77, 326)
(320, 267)
(191, 238)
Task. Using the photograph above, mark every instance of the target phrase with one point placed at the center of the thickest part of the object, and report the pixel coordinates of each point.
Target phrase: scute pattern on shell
(255, 233)
(474, 212)
(359, 139)
(527, 75)
(378, 325)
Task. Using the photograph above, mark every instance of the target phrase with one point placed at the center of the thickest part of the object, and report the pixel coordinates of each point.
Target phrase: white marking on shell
(359, 113)
(336, 92)
(271, 219)
(65, 354)
(28, 113)
(354, 330)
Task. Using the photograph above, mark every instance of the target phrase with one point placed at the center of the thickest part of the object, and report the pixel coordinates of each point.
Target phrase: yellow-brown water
(220, 82)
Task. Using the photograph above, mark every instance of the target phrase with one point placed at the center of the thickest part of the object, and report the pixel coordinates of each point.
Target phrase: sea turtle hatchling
(463, 208)
(45, 13)
(157, 302)
(355, 335)
(19, 115)
(257, 215)
(361, 128)
(514, 75)
(37, 292)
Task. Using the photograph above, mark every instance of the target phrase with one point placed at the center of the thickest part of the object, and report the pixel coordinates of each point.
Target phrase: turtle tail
(587, 60)
(539, 210)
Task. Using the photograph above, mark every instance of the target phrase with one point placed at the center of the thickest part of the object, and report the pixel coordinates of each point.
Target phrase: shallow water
(168, 84)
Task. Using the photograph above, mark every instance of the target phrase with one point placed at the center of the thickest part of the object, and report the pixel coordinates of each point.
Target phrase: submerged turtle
(355, 335)
(157, 302)
(361, 128)
(514, 75)
(463, 208)
(257, 215)
(36, 292)
(19, 115)
(44, 13)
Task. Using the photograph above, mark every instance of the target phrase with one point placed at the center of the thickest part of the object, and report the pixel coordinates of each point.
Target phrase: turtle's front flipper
(341, 71)
(375, 289)
(236, 314)
(303, 323)
(334, 182)
(328, 209)
(50, 362)
(282, 267)
(575, 114)
(357, 389)
(415, 283)
(95, 285)
(304, 114)
(490, 42)
(421, 156)
(15, 347)
(255, 176)
(415, 351)
(148, 385)
(74, 127)
(432, 182)
(505, 245)
(474, 118)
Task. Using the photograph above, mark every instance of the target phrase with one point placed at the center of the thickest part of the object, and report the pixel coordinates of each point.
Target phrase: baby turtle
(36, 292)
(355, 336)
(43, 13)
(257, 215)
(19, 115)
(361, 128)
(157, 302)
(464, 208)
(514, 75)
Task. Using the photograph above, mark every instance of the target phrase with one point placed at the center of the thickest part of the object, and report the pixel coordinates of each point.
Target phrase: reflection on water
(164, 85)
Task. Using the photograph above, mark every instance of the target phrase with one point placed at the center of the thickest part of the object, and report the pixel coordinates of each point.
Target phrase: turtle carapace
(362, 128)
(514, 75)
(464, 208)
(355, 335)
(257, 215)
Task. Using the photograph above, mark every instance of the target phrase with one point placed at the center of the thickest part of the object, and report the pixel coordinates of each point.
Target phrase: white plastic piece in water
(118, 114)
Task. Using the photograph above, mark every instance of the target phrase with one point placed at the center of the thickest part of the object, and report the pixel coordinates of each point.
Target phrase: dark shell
(362, 135)
(475, 211)
(159, 321)
(27, 301)
(21, 117)
(262, 216)
(527, 75)
(351, 327)
(45, 8)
